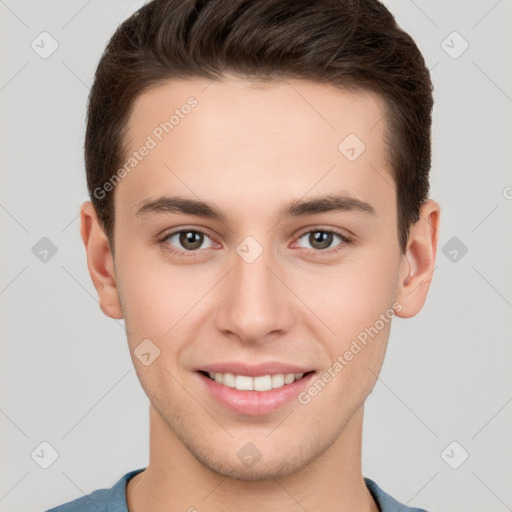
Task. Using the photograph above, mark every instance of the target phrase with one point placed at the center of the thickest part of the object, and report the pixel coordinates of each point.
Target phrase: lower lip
(255, 403)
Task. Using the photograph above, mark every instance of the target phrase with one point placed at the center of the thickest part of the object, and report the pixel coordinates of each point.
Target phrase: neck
(175, 480)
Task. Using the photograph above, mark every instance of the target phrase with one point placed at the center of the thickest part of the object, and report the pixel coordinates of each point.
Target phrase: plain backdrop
(67, 379)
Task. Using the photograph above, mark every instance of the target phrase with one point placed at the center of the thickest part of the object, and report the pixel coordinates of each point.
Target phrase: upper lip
(254, 370)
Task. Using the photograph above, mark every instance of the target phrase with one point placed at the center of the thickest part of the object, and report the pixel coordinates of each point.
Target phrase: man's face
(258, 286)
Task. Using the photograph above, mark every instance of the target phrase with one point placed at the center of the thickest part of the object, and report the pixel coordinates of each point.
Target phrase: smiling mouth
(259, 383)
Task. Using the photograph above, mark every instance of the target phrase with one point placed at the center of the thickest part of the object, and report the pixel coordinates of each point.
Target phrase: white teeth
(277, 380)
(229, 380)
(289, 378)
(261, 383)
(242, 382)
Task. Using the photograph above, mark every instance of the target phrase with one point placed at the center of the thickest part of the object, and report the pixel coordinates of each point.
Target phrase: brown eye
(322, 240)
(187, 240)
(191, 240)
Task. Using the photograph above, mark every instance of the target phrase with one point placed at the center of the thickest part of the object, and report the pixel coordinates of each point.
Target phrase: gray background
(66, 374)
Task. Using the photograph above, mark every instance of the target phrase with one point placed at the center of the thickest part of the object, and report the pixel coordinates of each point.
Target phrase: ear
(417, 265)
(100, 261)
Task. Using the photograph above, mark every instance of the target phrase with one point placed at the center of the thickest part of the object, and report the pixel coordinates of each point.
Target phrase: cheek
(351, 296)
(162, 302)
(152, 293)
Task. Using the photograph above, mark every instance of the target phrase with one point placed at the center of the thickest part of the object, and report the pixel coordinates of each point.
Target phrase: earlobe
(417, 266)
(100, 261)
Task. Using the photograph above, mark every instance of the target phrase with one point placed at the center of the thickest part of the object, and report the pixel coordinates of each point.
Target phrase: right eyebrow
(173, 204)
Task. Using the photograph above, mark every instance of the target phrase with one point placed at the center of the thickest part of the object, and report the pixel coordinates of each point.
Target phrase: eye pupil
(193, 238)
(324, 239)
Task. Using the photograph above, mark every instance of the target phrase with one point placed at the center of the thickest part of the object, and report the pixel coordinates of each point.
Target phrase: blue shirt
(114, 499)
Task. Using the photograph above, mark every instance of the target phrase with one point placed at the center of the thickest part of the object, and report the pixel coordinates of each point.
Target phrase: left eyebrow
(330, 203)
(298, 208)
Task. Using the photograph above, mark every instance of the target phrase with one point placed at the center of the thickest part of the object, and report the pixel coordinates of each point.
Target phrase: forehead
(300, 108)
(264, 137)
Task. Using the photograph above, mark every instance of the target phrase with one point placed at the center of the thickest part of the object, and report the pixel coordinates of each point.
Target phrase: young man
(258, 171)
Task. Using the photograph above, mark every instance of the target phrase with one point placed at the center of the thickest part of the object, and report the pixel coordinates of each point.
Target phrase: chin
(262, 470)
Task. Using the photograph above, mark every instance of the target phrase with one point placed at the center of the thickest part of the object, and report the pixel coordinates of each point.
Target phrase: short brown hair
(353, 44)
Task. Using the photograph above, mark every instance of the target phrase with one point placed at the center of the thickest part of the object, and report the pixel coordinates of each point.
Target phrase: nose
(254, 303)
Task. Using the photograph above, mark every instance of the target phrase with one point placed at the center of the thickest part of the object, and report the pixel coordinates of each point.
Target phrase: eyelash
(315, 252)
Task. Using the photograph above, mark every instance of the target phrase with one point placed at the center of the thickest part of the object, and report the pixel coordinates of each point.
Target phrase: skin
(250, 149)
